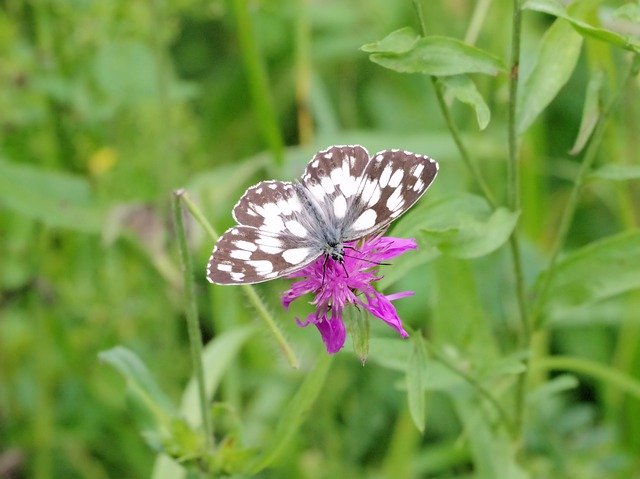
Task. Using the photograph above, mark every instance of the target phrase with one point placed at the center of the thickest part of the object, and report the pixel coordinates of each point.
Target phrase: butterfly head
(335, 250)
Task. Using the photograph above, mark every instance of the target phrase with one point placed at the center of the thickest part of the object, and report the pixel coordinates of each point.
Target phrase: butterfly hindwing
(391, 184)
(246, 255)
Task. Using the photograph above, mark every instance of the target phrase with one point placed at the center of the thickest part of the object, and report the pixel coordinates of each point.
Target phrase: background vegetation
(524, 354)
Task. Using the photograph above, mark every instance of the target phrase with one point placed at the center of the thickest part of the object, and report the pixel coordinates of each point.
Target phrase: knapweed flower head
(337, 285)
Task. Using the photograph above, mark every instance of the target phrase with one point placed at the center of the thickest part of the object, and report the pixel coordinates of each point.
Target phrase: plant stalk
(193, 326)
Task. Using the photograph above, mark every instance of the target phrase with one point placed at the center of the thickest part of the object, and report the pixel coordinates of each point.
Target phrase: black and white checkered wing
(332, 179)
(391, 184)
(270, 240)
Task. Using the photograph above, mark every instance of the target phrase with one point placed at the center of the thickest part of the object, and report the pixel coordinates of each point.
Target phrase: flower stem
(572, 203)
(193, 327)
(258, 82)
(249, 291)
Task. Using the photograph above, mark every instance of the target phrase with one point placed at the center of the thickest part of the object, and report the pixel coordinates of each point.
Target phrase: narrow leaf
(590, 112)
(465, 91)
(358, 322)
(557, 58)
(57, 199)
(416, 372)
(139, 382)
(433, 55)
(598, 271)
(554, 7)
(616, 173)
(293, 415)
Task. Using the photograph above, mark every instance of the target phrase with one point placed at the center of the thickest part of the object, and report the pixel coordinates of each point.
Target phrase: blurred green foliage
(108, 106)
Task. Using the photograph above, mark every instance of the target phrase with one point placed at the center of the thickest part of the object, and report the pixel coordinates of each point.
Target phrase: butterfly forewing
(245, 255)
(332, 178)
(391, 184)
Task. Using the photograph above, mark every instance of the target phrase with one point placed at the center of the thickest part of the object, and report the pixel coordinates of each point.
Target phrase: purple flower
(336, 285)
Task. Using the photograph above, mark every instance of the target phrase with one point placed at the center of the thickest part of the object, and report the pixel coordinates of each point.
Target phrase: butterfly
(344, 195)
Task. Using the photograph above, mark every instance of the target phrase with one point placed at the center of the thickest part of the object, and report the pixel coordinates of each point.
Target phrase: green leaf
(598, 271)
(464, 90)
(401, 51)
(616, 173)
(400, 41)
(590, 112)
(293, 415)
(465, 227)
(57, 199)
(553, 7)
(141, 385)
(557, 58)
(416, 372)
(358, 327)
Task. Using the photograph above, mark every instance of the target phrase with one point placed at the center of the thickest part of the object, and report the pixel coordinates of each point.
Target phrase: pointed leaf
(399, 41)
(590, 112)
(465, 227)
(554, 7)
(140, 383)
(557, 58)
(358, 327)
(416, 372)
(432, 55)
(464, 90)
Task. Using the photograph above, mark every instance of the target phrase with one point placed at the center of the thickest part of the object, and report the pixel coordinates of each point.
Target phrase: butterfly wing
(332, 179)
(270, 241)
(391, 183)
(247, 255)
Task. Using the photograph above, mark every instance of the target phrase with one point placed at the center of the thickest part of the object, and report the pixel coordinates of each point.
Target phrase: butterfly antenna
(364, 259)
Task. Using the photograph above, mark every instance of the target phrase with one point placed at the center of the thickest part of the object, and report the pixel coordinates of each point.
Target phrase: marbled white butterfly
(344, 195)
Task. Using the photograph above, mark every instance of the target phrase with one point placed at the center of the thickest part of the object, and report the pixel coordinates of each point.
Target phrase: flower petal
(380, 306)
(333, 333)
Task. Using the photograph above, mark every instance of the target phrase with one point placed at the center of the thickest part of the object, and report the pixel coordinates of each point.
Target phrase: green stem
(303, 72)
(258, 82)
(249, 291)
(513, 183)
(513, 200)
(596, 370)
(572, 203)
(453, 129)
(477, 19)
(504, 417)
(193, 327)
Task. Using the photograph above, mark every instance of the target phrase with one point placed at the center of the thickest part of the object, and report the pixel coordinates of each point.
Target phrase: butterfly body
(343, 195)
